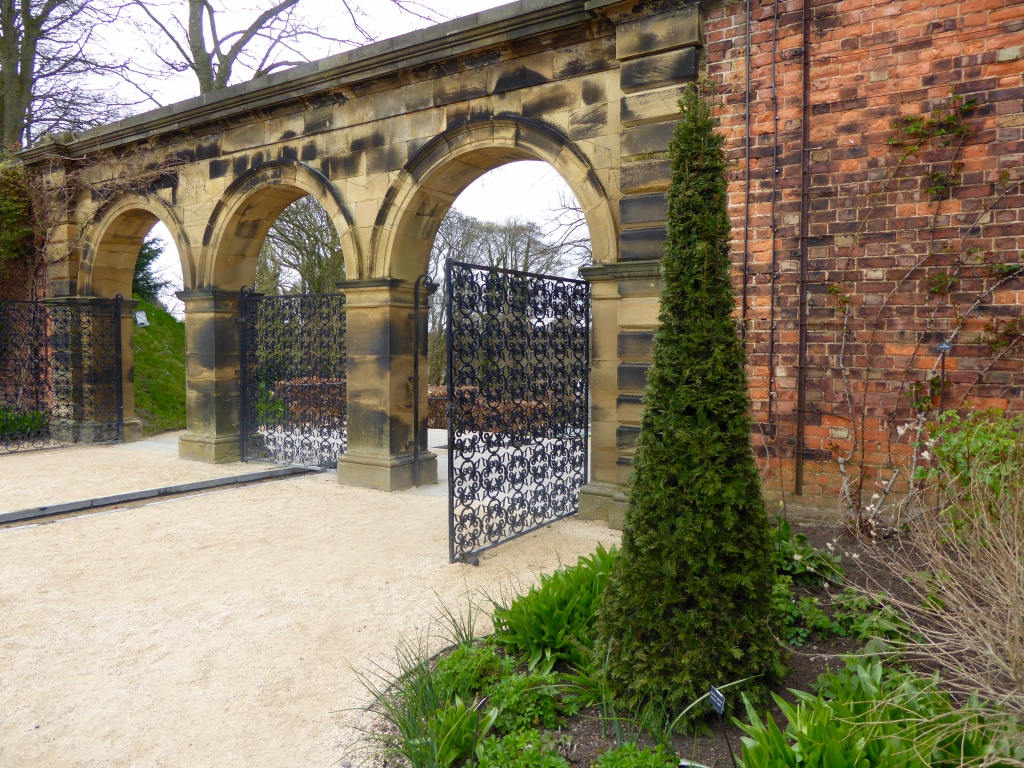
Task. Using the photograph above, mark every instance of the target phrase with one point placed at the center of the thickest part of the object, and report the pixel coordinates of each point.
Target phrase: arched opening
(443, 170)
(137, 250)
(519, 404)
(243, 219)
(282, 233)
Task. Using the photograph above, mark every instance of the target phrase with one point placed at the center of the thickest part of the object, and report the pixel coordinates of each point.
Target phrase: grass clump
(688, 604)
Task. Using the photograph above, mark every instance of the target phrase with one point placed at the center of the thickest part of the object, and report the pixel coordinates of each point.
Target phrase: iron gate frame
(581, 368)
(249, 421)
(68, 346)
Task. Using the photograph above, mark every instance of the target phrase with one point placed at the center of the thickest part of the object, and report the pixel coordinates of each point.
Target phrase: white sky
(525, 189)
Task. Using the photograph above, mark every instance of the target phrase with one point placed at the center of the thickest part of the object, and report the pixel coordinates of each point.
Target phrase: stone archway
(246, 211)
(109, 251)
(417, 203)
(232, 241)
(111, 245)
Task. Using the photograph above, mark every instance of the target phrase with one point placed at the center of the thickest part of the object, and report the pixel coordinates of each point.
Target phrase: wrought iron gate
(60, 373)
(518, 411)
(294, 397)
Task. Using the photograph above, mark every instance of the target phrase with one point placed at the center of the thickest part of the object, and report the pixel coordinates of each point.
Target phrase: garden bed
(526, 684)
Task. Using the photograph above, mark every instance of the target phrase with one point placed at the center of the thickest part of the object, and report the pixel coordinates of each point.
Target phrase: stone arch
(245, 213)
(111, 244)
(421, 197)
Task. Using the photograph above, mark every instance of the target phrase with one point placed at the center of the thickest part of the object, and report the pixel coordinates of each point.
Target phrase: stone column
(132, 424)
(625, 315)
(379, 341)
(212, 360)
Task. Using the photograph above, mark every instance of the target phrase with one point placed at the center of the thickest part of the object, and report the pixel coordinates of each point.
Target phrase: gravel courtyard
(226, 628)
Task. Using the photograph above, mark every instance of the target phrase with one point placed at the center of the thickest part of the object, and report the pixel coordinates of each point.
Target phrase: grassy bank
(160, 371)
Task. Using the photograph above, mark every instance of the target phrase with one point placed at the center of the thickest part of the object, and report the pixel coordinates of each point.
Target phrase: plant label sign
(717, 699)
(945, 347)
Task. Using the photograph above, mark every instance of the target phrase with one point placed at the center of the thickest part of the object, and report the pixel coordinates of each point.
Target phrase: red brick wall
(916, 269)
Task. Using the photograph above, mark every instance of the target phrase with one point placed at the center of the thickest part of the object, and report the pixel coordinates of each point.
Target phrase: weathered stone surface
(642, 244)
(663, 32)
(643, 209)
(647, 139)
(656, 71)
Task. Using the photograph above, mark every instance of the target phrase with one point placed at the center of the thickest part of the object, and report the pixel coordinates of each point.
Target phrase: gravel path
(38, 478)
(225, 629)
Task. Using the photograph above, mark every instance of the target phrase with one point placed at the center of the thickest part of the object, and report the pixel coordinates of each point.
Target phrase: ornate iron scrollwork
(294, 394)
(518, 371)
(60, 373)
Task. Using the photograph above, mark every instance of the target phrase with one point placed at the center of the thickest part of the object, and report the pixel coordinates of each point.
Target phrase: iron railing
(60, 373)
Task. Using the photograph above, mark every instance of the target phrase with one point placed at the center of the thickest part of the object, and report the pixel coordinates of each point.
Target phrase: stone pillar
(132, 424)
(625, 315)
(379, 341)
(212, 360)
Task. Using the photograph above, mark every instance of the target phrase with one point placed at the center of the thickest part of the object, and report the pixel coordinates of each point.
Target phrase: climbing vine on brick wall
(957, 277)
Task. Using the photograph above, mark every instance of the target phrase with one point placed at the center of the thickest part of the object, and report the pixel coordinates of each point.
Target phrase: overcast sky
(525, 189)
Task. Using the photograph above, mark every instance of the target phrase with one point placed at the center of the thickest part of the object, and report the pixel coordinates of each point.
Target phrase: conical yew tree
(687, 606)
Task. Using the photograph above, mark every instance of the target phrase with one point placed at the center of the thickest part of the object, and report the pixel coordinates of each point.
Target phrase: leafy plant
(527, 701)
(16, 225)
(804, 564)
(689, 602)
(863, 617)
(525, 749)
(867, 715)
(453, 732)
(14, 426)
(981, 447)
(631, 756)
(555, 620)
(799, 616)
(269, 407)
(469, 669)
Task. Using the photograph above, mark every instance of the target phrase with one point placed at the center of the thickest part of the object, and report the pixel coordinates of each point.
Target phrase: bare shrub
(962, 559)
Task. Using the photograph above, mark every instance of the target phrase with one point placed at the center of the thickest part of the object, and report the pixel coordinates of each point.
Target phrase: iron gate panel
(518, 411)
(60, 373)
(294, 398)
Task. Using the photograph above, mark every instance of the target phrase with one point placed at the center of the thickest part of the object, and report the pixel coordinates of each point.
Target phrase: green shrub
(632, 756)
(688, 604)
(982, 447)
(525, 749)
(16, 224)
(14, 426)
(452, 732)
(866, 716)
(527, 701)
(804, 564)
(470, 669)
(555, 620)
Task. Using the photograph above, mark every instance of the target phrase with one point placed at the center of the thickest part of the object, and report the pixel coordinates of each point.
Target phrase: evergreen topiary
(688, 603)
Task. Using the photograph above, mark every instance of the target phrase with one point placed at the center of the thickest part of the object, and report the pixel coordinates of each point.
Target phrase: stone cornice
(507, 23)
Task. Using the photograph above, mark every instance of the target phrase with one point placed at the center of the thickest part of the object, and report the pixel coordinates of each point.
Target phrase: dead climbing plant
(960, 277)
